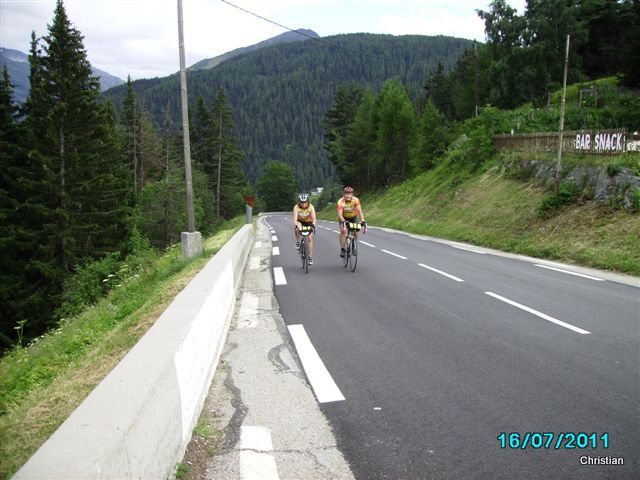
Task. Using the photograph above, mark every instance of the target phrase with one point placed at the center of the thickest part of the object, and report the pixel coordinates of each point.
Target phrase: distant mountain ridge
(280, 93)
(287, 37)
(17, 63)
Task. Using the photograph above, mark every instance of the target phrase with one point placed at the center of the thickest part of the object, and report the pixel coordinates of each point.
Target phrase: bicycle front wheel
(303, 255)
(345, 259)
(353, 258)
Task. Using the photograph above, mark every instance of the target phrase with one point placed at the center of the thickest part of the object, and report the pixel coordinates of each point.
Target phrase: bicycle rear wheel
(353, 258)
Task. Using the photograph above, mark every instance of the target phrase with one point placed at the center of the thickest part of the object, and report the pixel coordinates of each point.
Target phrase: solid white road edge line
(255, 463)
(539, 314)
(441, 272)
(367, 244)
(394, 254)
(468, 249)
(571, 273)
(278, 274)
(275, 251)
(319, 377)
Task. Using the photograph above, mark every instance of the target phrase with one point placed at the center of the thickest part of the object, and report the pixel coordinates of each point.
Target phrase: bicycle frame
(304, 233)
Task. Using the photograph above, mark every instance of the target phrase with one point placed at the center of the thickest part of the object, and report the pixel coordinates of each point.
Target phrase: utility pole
(477, 87)
(191, 240)
(562, 107)
(219, 168)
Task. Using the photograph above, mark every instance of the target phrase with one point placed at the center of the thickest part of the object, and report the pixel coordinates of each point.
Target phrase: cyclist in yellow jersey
(304, 214)
(349, 210)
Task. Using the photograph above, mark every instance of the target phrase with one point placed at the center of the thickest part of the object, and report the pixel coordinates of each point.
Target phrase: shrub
(88, 284)
(568, 194)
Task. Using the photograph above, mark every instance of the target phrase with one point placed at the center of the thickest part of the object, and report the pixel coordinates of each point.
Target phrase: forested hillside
(281, 93)
(300, 35)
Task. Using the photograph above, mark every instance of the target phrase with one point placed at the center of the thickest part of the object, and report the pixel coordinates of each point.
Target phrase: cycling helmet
(348, 190)
(303, 197)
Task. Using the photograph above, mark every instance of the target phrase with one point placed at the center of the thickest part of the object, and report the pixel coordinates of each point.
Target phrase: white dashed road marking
(539, 314)
(571, 273)
(274, 238)
(276, 251)
(278, 274)
(367, 244)
(394, 254)
(319, 377)
(441, 272)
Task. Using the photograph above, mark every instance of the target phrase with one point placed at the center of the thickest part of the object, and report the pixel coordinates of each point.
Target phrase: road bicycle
(304, 256)
(350, 259)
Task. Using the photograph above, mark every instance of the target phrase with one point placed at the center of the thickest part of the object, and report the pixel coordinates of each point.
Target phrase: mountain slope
(18, 67)
(281, 93)
(288, 37)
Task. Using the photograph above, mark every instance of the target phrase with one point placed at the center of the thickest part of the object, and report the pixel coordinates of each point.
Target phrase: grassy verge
(42, 384)
(487, 209)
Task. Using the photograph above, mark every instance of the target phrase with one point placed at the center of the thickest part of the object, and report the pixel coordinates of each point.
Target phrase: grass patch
(206, 431)
(42, 384)
(182, 471)
(485, 208)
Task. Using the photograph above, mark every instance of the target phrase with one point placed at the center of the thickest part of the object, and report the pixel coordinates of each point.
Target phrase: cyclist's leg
(343, 236)
(296, 231)
(309, 241)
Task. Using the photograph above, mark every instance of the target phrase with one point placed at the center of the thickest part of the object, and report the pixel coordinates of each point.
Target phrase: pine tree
(74, 176)
(79, 142)
(360, 160)
(12, 280)
(229, 180)
(395, 131)
(130, 122)
(432, 138)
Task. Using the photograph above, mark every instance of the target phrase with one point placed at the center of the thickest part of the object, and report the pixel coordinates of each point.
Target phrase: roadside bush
(629, 160)
(88, 284)
(568, 194)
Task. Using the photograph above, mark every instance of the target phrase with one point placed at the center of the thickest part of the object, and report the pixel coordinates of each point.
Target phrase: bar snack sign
(604, 141)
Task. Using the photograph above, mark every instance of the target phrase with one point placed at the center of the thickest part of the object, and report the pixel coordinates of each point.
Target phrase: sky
(140, 37)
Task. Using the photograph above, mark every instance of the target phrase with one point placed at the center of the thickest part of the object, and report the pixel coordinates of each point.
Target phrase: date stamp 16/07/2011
(562, 440)
(552, 440)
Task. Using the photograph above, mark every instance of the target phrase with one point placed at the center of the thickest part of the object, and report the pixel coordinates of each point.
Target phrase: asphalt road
(438, 350)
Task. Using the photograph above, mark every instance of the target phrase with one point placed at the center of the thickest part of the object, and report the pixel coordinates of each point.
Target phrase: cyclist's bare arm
(340, 212)
(313, 214)
(360, 214)
(295, 216)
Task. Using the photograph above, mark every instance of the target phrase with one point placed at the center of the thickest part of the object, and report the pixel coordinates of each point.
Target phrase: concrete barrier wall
(138, 421)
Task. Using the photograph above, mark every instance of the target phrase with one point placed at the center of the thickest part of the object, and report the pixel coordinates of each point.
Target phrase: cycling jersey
(349, 209)
(304, 214)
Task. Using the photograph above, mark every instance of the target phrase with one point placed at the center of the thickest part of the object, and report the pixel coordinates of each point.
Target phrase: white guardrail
(138, 421)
